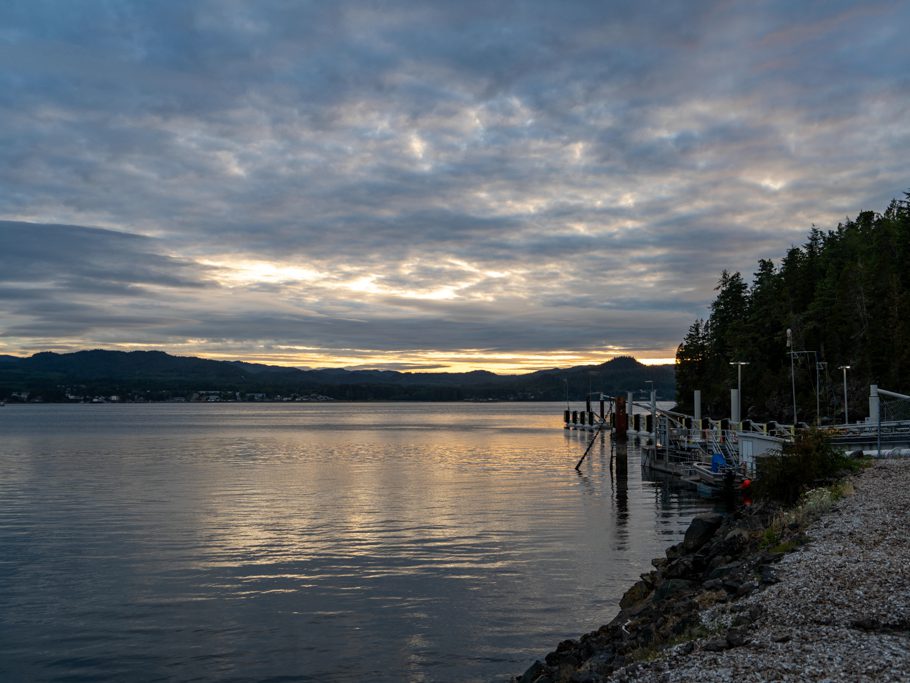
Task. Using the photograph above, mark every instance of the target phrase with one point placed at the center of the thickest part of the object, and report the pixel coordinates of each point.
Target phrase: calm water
(380, 542)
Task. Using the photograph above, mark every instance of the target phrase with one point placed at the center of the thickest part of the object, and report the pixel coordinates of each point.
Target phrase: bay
(331, 542)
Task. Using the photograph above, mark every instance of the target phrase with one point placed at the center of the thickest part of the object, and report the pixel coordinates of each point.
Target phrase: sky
(425, 186)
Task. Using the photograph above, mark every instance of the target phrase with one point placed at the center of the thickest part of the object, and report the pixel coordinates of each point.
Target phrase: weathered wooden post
(621, 423)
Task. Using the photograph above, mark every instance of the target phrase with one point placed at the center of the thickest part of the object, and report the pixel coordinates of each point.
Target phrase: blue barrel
(718, 462)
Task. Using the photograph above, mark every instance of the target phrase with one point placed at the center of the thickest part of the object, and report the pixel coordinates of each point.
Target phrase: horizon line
(402, 367)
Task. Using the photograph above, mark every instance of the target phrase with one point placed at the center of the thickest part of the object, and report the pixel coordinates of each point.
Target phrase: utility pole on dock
(739, 388)
(846, 414)
(793, 354)
(819, 366)
(792, 372)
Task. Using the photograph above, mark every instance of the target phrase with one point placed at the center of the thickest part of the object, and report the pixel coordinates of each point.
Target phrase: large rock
(672, 587)
(725, 570)
(635, 594)
(700, 531)
(716, 645)
(679, 569)
(736, 540)
(534, 672)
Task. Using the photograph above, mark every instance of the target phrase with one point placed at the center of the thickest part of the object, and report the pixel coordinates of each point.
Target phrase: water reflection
(262, 541)
(621, 469)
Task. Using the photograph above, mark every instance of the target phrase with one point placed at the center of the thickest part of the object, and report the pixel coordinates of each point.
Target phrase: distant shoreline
(154, 376)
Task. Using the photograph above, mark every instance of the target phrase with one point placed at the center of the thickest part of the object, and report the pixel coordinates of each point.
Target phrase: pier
(687, 446)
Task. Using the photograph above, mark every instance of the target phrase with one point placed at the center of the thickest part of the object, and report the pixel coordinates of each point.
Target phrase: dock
(684, 445)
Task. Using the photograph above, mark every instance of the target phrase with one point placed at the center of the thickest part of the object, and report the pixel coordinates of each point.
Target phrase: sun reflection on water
(437, 542)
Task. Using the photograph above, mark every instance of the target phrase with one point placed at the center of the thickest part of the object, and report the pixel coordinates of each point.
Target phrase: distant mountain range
(158, 376)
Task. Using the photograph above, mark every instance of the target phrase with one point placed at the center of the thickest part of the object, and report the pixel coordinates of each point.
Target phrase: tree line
(845, 297)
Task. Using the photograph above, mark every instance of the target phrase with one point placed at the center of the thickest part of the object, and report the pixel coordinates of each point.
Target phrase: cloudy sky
(445, 185)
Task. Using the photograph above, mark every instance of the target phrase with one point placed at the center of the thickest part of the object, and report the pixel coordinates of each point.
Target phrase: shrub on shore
(785, 532)
(810, 461)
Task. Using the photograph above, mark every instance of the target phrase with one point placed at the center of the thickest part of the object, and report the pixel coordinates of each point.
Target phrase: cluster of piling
(616, 417)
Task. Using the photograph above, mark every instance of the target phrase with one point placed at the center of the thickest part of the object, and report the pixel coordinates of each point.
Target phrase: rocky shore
(821, 593)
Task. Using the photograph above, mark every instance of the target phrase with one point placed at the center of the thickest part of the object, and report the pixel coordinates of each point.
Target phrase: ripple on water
(307, 542)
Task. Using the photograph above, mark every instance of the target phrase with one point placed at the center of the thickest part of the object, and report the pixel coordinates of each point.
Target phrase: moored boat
(716, 472)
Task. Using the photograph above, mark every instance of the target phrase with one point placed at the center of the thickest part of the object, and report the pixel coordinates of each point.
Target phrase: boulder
(732, 586)
(736, 637)
(700, 531)
(736, 540)
(635, 594)
(725, 570)
(745, 589)
(679, 568)
(650, 578)
(672, 587)
(716, 645)
(535, 671)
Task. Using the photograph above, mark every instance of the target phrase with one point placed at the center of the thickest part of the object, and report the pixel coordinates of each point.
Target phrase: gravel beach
(840, 610)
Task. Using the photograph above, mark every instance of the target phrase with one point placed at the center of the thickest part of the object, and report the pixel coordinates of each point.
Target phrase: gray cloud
(88, 260)
(523, 176)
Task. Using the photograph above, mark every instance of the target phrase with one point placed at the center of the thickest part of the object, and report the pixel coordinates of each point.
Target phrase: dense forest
(845, 294)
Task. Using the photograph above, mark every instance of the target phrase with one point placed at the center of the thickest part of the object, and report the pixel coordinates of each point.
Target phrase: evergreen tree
(691, 357)
(845, 294)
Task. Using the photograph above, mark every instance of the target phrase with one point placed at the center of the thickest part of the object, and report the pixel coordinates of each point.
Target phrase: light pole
(846, 415)
(739, 387)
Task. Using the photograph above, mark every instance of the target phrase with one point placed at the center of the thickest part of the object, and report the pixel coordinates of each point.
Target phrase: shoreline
(746, 597)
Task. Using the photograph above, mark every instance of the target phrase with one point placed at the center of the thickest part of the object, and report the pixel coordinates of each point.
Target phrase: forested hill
(845, 294)
(154, 375)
